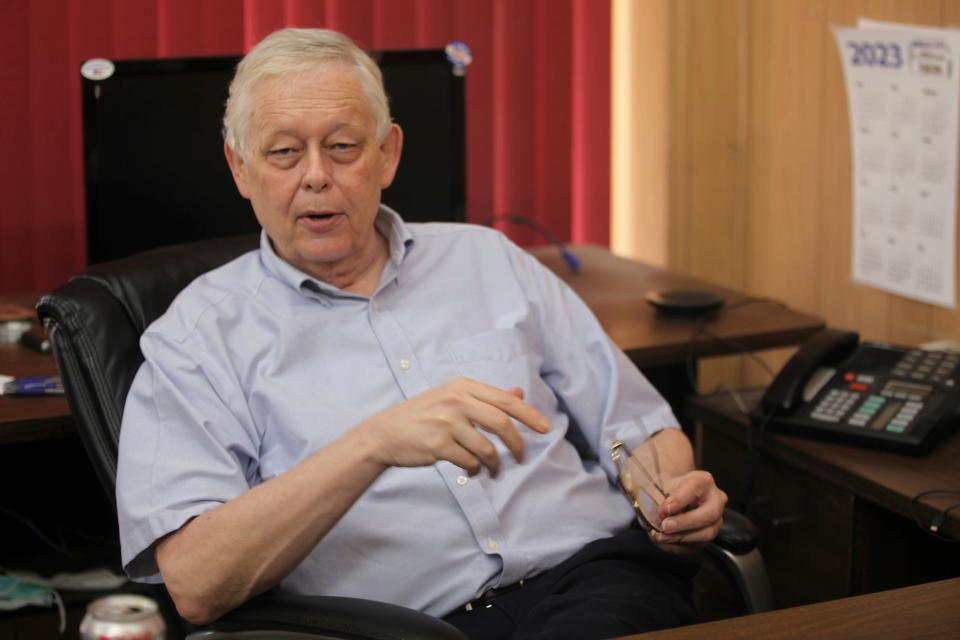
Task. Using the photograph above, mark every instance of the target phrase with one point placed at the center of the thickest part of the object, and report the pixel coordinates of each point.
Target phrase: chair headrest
(146, 283)
(95, 321)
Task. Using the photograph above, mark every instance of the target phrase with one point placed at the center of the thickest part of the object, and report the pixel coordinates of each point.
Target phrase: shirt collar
(388, 223)
(399, 241)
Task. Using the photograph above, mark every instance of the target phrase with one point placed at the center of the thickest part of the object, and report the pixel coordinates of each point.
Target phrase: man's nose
(316, 172)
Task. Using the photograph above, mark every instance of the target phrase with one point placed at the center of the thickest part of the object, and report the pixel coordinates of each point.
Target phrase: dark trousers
(611, 587)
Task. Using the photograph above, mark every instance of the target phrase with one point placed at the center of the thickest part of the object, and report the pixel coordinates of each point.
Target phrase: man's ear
(390, 150)
(236, 169)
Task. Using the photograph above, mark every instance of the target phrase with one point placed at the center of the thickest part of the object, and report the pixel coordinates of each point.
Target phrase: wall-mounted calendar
(903, 92)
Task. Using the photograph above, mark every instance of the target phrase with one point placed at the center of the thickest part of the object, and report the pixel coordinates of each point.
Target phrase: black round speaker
(687, 302)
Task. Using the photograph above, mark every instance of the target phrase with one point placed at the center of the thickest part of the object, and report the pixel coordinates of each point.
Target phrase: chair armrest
(335, 617)
(737, 534)
(735, 548)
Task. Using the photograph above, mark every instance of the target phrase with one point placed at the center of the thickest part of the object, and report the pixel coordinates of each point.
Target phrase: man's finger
(456, 454)
(706, 516)
(494, 421)
(674, 545)
(700, 532)
(686, 494)
(511, 404)
(478, 446)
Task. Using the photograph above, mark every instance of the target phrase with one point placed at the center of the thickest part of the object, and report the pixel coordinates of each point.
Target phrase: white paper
(903, 92)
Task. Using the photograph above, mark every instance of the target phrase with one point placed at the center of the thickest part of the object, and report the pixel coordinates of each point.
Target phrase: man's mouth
(319, 216)
(320, 221)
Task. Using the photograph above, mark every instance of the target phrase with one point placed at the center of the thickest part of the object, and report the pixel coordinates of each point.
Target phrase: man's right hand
(443, 424)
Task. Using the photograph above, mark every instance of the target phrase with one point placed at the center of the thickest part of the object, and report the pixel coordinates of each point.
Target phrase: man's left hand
(692, 514)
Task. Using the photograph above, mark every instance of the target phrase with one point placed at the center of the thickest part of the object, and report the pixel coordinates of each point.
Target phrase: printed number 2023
(876, 54)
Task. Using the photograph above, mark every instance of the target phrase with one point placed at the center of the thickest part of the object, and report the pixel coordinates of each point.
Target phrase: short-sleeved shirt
(257, 365)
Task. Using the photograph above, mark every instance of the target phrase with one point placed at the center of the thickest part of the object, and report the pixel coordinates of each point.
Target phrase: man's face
(313, 169)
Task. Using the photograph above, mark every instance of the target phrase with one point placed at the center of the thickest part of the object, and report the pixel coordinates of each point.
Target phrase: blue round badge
(458, 53)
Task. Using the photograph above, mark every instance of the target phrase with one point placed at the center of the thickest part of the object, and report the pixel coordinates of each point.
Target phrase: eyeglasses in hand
(643, 489)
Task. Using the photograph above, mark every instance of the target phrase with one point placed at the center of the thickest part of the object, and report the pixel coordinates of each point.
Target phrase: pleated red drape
(538, 102)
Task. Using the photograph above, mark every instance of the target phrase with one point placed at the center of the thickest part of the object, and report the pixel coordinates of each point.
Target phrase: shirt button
(492, 544)
(404, 364)
(375, 305)
(461, 480)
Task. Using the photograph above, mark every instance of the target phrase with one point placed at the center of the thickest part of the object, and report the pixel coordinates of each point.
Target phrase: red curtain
(538, 102)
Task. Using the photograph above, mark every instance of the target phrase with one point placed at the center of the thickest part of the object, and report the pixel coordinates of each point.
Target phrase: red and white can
(123, 617)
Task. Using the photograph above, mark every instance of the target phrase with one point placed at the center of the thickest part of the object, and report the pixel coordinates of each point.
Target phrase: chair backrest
(94, 323)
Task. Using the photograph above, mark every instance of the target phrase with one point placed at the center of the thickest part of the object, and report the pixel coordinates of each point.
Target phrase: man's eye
(283, 151)
(342, 146)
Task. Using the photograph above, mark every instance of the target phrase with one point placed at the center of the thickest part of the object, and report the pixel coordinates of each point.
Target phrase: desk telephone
(872, 394)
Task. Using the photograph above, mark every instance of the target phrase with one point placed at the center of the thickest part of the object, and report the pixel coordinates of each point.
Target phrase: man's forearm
(224, 556)
(673, 449)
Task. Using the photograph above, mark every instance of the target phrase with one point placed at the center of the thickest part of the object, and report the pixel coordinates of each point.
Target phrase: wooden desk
(923, 611)
(835, 520)
(615, 288)
(28, 418)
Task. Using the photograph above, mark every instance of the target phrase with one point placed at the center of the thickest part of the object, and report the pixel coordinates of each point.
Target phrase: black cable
(754, 442)
(934, 528)
(700, 329)
(737, 346)
(754, 435)
(58, 546)
(569, 258)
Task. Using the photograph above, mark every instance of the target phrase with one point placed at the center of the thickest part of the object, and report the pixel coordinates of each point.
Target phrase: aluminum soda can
(123, 617)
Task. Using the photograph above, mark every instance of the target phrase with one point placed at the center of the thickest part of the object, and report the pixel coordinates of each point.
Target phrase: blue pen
(34, 386)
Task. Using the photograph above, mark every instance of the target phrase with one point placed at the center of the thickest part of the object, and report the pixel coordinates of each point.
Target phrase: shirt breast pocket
(506, 358)
(502, 358)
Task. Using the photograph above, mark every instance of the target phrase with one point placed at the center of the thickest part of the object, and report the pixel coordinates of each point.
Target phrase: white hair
(289, 51)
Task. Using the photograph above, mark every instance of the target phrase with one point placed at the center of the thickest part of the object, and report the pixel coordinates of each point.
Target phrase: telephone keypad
(887, 411)
(927, 366)
(904, 417)
(834, 405)
(867, 410)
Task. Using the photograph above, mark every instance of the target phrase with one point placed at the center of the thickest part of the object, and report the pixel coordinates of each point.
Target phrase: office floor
(48, 486)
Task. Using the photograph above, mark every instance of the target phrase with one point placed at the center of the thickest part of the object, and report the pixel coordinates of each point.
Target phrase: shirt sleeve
(603, 392)
(185, 448)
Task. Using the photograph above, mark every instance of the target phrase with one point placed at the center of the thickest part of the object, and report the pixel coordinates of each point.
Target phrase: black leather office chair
(94, 322)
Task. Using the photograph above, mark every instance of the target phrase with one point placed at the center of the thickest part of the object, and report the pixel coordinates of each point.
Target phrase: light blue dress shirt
(256, 365)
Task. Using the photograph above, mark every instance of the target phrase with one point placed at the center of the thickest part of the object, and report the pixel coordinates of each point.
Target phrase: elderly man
(414, 413)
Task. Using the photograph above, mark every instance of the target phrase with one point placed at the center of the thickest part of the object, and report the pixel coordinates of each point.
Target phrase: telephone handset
(873, 394)
(826, 349)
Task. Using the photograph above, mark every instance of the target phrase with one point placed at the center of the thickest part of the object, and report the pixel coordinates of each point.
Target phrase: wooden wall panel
(706, 140)
(785, 45)
(708, 151)
(760, 193)
(835, 288)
